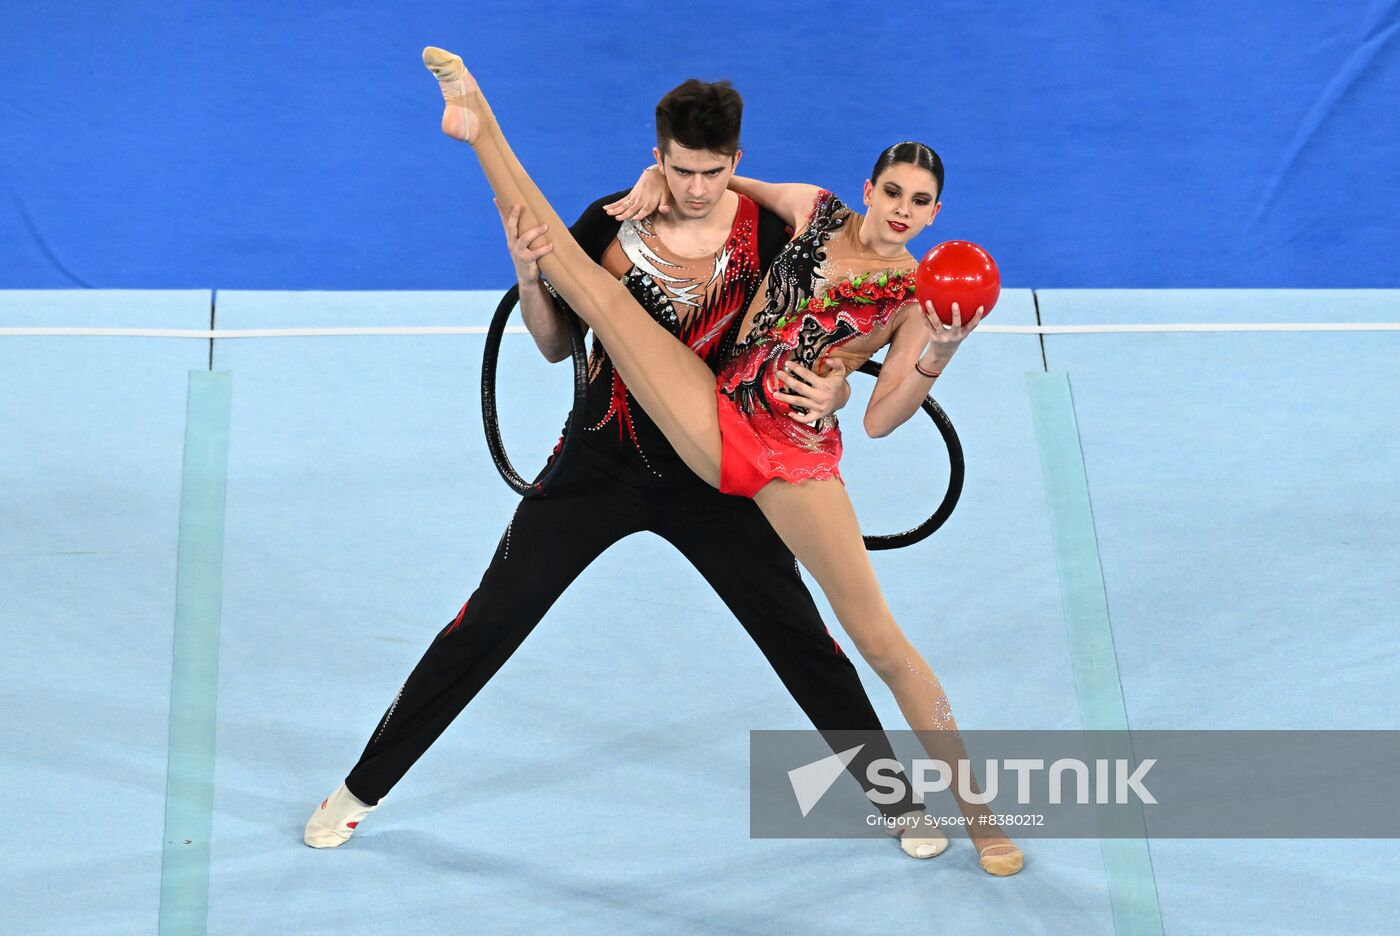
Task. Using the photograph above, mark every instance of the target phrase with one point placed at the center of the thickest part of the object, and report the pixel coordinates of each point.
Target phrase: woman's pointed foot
(1000, 858)
(461, 117)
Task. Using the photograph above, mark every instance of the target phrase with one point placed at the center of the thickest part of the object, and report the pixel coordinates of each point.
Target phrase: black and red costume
(625, 478)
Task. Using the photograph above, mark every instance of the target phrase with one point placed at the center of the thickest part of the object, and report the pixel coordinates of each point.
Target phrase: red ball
(961, 272)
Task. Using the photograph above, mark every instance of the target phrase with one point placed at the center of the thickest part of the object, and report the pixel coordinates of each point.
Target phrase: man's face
(697, 178)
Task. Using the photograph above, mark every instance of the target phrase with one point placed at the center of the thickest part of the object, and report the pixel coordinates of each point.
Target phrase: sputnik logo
(811, 781)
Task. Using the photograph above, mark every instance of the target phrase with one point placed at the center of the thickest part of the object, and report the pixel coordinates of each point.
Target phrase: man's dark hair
(916, 154)
(700, 115)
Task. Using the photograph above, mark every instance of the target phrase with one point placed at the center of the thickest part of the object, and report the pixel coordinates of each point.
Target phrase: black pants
(551, 540)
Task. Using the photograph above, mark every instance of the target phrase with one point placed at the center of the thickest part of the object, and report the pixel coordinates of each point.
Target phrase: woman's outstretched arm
(922, 345)
(791, 201)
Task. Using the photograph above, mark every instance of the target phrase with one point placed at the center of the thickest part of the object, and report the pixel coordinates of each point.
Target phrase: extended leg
(673, 385)
(548, 543)
(819, 525)
(732, 545)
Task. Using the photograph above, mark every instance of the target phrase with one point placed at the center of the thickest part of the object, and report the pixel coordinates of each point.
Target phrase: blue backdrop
(295, 145)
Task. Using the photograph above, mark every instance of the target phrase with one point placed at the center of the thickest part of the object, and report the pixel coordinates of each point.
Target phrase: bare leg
(672, 384)
(818, 524)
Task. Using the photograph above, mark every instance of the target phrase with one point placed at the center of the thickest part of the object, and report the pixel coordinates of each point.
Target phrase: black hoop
(558, 464)
(955, 478)
(556, 467)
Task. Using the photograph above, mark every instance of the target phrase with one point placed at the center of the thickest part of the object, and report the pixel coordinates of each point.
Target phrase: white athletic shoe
(917, 837)
(924, 844)
(334, 821)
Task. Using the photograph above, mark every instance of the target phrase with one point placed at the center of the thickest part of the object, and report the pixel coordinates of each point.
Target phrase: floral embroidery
(864, 288)
(860, 289)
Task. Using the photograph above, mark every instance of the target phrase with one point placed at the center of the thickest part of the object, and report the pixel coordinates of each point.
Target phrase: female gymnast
(842, 288)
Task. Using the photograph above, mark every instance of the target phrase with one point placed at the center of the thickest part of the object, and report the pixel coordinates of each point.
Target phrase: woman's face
(901, 202)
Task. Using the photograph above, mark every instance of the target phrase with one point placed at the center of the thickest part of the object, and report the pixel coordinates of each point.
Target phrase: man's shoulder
(771, 234)
(595, 229)
(596, 207)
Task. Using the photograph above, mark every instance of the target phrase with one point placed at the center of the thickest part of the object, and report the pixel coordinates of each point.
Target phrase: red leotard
(810, 306)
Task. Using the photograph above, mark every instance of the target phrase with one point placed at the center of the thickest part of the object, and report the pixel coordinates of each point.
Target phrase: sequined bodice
(811, 305)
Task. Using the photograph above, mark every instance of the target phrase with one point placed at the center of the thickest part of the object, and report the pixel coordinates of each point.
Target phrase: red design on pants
(460, 614)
